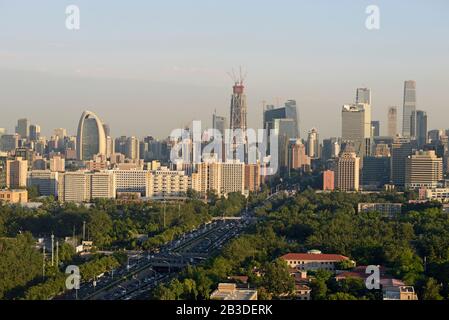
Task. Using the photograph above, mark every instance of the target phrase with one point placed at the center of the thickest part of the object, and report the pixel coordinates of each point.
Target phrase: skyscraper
(298, 159)
(331, 148)
(219, 123)
(363, 95)
(91, 138)
(421, 128)
(23, 128)
(392, 121)
(238, 106)
(238, 122)
(288, 111)
(423, 169)
(132, 148)
(16, 173)
(356, 127)
(61, 133)
(348, 171)
(375, 125)
(35, 132)
(409, 110)
(376, 172)
(400, 150)
(313, 144)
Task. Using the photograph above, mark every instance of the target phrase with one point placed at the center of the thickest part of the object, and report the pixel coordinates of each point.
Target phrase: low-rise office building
(229, 291)
(14, 196)
(313, 260)
(388, 209)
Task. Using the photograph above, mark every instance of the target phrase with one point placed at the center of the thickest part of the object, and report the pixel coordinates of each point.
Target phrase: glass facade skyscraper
(409, 110)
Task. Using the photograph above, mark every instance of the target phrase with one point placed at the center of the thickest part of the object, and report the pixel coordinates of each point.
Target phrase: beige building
(165, 182)
(356, 127)
(423, 169)
(16, 173)
(14, 196)
(392, 121)
(298, 159)
(132, 148)
(252, 177)
(313, 260)
(437, 194)
(232, 177)
(207, 177)
(82, 186)
(229, 291)
(57, 163)
(132, 180)
(347, 172)
(45, 181)
(219, 177)
(399, 293)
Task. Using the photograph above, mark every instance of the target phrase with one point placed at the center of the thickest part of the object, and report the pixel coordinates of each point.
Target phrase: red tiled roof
(314, 257)
(351, 274)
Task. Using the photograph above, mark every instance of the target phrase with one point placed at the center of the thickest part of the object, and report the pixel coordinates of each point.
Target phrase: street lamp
(168, 263)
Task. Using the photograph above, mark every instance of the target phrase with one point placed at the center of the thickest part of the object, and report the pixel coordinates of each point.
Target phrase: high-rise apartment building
(409, 110)
(207, 177)
(348, 172)
(392, 122)
(219, 177)
(423, 169)
(232, 177)
(16, 173)
(253, 177)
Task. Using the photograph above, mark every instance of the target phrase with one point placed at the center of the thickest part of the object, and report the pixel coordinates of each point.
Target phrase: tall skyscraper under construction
(238, 106)
(238, 122)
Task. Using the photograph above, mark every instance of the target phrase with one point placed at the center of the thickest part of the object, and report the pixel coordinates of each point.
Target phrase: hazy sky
(147, 67)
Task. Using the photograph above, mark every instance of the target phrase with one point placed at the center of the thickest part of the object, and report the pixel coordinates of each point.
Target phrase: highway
(146, 270)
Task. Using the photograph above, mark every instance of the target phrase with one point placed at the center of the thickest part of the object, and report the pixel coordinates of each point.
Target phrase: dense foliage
(413, 245)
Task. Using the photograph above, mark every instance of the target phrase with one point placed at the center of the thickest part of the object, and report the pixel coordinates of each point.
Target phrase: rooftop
(314, 257)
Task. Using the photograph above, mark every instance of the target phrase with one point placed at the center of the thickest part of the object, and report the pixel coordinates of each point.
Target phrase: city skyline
(303, 129)
(171, 71)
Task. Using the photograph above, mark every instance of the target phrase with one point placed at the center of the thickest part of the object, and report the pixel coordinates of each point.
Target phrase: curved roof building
(91, 138)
